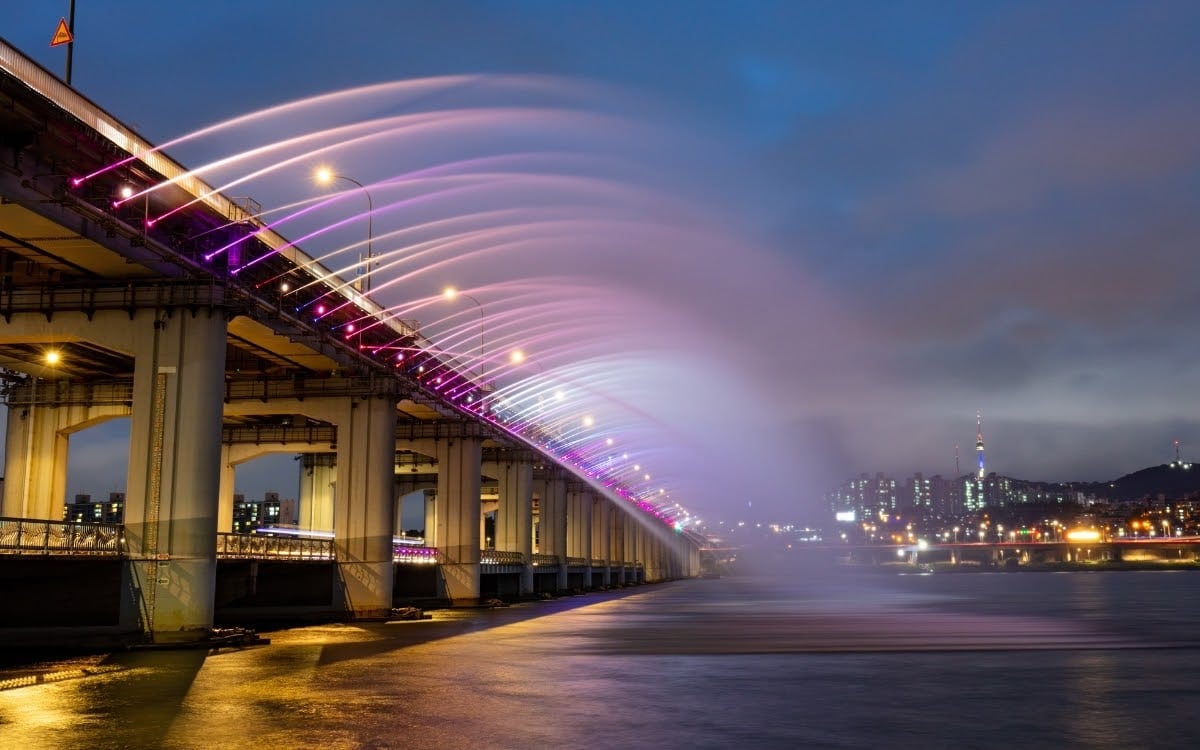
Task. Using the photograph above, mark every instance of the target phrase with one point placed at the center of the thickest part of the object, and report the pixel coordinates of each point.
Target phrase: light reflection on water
(972, 660)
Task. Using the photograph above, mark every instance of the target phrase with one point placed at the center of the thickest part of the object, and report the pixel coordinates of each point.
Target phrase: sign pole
(71, 44)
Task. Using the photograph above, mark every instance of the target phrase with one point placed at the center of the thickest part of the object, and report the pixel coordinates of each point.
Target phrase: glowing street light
(451, 294)
(326, 176)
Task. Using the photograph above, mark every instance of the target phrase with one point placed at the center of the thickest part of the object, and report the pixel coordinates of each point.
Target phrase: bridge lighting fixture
(451, 293)
(53, 357)
(126, 192)
(517, 356)
(323, 175)
(588, 421)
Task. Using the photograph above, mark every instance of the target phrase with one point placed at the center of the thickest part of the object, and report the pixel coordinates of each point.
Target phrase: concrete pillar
(318, 478)
(36, 463)
(552, 524)
(430, 519)
(174, 469)
(231, 457)
(601, 539)
(514, 513)
(630, 547)
(458, 511)
(414, 489)
(653, 557)
(617, 545)
(579, 527)
(37, 447)
(363, 514)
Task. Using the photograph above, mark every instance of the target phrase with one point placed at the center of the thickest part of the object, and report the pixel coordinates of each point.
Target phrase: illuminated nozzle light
(1083, 535)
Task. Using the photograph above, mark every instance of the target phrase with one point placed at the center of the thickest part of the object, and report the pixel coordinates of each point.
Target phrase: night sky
(928, 210)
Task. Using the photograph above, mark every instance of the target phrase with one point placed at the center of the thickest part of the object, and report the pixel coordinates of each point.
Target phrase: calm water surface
(838, 660)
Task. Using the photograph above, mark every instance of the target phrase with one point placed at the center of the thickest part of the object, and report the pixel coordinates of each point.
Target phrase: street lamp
(451, 294)
(326, 176)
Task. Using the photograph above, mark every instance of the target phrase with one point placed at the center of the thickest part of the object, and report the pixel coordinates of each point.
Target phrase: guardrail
(547, 561)
(263, 547)
(500, 557)
(415, 555)
(577, 562)
(25, 537)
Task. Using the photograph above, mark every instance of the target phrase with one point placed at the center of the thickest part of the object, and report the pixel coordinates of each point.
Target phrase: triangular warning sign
(62, 35)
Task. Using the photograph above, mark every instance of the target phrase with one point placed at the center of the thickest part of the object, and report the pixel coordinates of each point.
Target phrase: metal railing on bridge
(411, 555)
(500, 557)
(266, 547)
(25, 537)
(545, 561)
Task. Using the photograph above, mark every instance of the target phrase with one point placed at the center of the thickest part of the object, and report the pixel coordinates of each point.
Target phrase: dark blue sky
(986, 206)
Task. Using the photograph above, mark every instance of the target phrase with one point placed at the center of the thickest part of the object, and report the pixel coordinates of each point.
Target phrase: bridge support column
(363, 516)
(408, 486)
(601, 539)
(579, 528)
(174, 470)
(318, 476)
(653, 557)
(617, 545)
(629, 547)
(457, 517)
(35, 465)
(514, 513)
(552, 525)
(231, 456)
(36, 448)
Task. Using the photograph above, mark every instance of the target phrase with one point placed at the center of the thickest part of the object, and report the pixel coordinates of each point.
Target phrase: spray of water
(620, 311)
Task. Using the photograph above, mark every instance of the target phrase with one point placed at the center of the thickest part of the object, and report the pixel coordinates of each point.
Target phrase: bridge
(1016, 554)
(114, 308)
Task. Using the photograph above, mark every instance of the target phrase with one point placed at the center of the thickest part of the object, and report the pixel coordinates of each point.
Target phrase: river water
(841, 659)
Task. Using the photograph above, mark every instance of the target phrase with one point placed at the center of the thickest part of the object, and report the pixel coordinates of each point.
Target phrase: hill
(1173, 480)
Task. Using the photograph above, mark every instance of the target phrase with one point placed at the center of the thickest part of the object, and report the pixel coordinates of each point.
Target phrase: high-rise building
(83, 509)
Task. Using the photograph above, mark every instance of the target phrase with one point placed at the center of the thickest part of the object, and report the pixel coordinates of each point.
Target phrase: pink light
(320, 309)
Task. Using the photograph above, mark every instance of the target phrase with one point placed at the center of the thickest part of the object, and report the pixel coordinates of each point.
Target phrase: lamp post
(451, 294)
(326, 176)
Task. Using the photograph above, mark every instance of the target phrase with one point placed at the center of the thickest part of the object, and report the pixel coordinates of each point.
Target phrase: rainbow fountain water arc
(617, 315)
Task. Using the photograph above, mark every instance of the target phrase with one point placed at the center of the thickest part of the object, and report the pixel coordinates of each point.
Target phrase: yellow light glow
(53, 357)
(517, 356)
(450, 293)
(323, 175)
(1083, 535)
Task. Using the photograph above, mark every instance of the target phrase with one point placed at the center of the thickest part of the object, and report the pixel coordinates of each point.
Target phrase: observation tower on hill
(979, 442)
